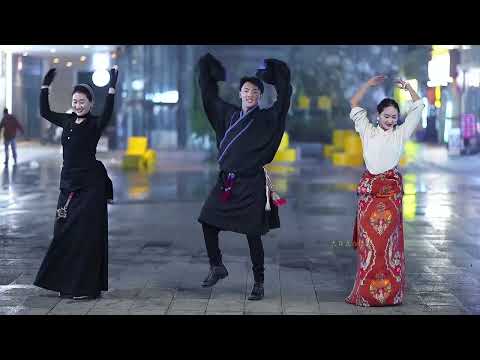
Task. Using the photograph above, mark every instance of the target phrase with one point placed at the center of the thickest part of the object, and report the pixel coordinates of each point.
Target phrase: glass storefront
(155, 94)
(158, 93)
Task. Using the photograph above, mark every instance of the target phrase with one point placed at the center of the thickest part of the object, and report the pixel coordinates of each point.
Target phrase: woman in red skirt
(378, 230)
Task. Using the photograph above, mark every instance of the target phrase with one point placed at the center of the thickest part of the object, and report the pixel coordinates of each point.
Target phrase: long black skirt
(244, 212)
(76, 262)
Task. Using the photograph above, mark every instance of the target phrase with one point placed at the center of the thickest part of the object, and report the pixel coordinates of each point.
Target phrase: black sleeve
(107, 112)
(218, 111)
(58, 119)
(283, 87)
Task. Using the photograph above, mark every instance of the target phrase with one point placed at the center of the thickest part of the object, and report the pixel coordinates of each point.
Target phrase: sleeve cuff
(415, 104)
(355, 111)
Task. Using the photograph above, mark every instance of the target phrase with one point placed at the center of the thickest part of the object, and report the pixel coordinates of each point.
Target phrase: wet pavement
(157, 258)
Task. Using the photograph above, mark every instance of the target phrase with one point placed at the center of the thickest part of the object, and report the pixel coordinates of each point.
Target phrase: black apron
(244, 212)
(76, 262)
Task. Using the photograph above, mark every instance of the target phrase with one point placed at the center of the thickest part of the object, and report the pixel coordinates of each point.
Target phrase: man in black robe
(247, 140)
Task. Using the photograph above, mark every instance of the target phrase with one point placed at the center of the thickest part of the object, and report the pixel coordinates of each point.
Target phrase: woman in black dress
(76, 264)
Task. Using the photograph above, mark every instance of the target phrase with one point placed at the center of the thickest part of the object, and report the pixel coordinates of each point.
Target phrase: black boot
(257, 291)
(216, 273)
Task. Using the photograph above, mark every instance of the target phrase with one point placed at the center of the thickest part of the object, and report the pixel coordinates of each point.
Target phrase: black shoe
(216, 273)
(65, 296)
(257, 292)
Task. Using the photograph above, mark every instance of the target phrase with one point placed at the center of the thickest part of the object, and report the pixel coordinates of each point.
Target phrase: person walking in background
(10, 125)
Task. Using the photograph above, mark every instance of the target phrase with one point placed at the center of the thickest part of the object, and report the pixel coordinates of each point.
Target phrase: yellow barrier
(148, 160)
(288, 155)
(138, 156)
(338, 139)
(303, 102)
(284, 143)
(353, 144)
(328, 151)
(137, 145)
(339, 159)
(346, 149)
(280, 169)
(355, 159)
(284, 153)
(345, 159)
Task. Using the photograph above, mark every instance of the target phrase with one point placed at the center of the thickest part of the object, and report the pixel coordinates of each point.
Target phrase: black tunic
(248, 146)
(76, 262)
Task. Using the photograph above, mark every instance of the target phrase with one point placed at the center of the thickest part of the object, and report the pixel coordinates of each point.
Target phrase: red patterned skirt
(378, 238)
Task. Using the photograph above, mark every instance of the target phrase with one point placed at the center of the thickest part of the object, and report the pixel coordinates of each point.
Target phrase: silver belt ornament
(62, 212)
(270, 191)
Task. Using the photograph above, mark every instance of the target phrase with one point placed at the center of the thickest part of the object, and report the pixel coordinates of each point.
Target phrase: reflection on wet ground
(157, 257)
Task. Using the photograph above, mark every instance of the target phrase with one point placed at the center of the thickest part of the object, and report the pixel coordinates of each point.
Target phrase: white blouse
(382, 149)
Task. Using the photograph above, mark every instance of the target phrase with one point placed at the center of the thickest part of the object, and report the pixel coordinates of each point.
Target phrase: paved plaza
(157, 257)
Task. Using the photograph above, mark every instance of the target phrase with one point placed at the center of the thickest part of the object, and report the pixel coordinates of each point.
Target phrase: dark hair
(5, 111)
(251, 79)
(84, 89)
(386, 103)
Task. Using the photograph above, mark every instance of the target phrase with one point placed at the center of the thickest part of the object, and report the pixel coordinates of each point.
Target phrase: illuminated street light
(101, 78)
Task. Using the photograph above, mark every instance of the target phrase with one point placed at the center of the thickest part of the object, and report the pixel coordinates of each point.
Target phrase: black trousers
(255, 245)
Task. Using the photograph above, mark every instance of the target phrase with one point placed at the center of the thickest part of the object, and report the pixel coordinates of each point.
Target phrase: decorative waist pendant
(62, 212)
(270, 192)
(227, 187)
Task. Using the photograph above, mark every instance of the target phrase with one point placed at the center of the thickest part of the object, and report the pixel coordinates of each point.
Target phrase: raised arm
(406, 86)
(359, 114)
(277, 73)
(54, 117)
(218, 111)
(414, 114)
(109, 102)
(358, 96)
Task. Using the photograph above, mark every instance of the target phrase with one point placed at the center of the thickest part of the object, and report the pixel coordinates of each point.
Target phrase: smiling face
(388, 118)
(80, 104)
(250, 95)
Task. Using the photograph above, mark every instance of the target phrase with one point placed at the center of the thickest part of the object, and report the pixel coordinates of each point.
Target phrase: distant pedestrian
(10, 124)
